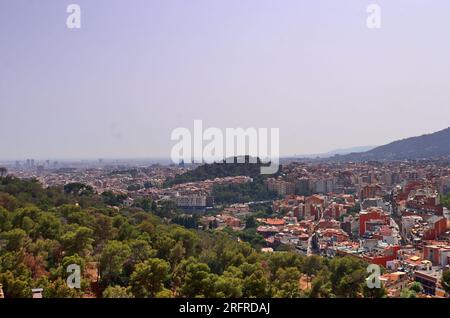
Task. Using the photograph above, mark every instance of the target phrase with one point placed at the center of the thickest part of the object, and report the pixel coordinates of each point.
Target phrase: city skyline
(227, 156)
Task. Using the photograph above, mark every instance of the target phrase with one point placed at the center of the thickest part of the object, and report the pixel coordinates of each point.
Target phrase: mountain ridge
(430, 145)
(331, 153)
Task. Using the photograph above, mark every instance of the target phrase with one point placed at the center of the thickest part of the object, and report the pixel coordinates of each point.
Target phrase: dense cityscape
(212, 158)
(392, 214)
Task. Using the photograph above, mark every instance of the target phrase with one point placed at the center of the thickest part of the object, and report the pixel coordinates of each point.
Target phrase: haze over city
(132, 73)
(226, 156)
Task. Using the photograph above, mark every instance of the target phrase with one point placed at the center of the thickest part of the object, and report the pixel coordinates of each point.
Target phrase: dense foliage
(132, 252)
(446, 281)
(239, 193)
(220, 170)
(445, 200)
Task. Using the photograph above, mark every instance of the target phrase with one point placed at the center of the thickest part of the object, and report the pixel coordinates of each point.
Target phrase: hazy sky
(137, 69)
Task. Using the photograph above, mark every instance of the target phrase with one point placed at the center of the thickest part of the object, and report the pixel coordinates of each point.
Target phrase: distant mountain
(426, 146)
(334, 152)
(345, 151)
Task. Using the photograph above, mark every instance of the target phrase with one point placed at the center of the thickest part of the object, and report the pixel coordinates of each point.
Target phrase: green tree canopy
(149, 277)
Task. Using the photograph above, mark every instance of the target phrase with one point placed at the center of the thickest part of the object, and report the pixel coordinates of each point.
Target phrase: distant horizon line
(111, 158)
(300, 156)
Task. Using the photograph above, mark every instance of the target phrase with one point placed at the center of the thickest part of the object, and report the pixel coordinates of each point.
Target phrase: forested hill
(220, 170)
(426, 146)
(131, 252)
